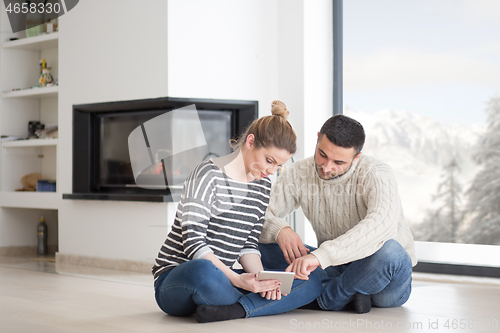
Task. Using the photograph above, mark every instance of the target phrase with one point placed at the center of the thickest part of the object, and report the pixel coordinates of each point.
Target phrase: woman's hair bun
(278, 108)
(271, 131)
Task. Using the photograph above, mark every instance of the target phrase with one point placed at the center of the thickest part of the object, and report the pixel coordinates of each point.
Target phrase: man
(351, 200)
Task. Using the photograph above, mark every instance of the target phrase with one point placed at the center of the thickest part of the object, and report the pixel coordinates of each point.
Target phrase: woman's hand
(273, 294)
(248, 281)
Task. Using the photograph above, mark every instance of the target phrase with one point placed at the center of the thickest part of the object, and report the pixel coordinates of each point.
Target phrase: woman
(218, 221)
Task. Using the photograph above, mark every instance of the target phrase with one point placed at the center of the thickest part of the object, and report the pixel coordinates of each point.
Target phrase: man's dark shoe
(362, 303)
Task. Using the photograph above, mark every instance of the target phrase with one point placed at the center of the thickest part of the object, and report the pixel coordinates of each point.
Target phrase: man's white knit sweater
(352, 215)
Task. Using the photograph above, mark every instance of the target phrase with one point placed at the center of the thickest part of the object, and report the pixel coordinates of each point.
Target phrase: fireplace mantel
(118, 197)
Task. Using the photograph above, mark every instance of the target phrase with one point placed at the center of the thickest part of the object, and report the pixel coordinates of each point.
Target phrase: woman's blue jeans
(180, 290)
(385, 275)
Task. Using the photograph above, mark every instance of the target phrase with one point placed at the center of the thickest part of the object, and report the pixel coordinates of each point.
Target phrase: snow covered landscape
(418, 148)
(429, 100)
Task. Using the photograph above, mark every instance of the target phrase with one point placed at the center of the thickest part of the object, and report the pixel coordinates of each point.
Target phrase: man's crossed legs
(385, 276)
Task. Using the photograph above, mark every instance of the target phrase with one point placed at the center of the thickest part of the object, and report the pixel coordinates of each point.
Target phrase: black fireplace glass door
(114, 167)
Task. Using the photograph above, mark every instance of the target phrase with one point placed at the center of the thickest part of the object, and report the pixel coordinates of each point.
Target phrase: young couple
(366, 250)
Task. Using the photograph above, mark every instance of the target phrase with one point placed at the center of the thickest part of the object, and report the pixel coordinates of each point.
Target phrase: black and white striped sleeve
(195, 206)
(251, 244)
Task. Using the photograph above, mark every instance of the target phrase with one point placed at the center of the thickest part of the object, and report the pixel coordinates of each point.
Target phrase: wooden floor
(34, 298)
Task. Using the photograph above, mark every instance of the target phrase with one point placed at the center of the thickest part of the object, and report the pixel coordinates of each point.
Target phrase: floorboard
(37, 297)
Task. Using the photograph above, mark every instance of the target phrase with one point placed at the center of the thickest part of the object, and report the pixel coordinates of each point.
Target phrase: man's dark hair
(344, 132)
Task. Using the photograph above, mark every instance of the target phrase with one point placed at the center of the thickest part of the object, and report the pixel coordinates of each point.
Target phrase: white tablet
(286, 279)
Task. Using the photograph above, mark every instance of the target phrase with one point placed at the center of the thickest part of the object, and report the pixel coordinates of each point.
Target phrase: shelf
(39, 200)
(45, 92)
(30, 143)
(38, 43)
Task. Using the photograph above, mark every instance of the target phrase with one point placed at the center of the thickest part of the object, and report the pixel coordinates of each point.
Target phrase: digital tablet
(286, 279)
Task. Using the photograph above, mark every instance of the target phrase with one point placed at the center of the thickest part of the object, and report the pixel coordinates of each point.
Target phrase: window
(422, 77)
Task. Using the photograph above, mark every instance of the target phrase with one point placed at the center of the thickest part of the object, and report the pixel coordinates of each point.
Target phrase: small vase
(34, 24)
(46, 78)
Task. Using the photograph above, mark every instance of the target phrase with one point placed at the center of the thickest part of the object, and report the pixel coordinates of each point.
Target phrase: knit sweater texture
(352, 215)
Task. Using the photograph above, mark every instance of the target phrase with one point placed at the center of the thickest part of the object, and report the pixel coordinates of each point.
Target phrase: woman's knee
(191, 276)
(175, 293)
(174, 300)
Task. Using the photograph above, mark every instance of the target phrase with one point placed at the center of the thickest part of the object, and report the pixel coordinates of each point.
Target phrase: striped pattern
(215, 215)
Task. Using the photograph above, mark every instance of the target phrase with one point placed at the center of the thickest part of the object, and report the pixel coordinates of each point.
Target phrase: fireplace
(142, 150)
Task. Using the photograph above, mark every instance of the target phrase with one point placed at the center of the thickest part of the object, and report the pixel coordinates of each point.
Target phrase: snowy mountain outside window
(423, 77)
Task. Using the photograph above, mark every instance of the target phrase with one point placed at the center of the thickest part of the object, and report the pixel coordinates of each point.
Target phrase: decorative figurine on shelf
(46, 78)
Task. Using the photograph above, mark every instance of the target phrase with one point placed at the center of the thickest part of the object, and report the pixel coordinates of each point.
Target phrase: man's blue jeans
(385, 275)
(180, 290)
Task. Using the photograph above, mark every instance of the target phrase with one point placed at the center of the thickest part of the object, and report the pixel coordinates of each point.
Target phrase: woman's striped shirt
(215, 215)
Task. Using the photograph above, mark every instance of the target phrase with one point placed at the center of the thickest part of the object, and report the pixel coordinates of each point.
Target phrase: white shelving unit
(38, 43)
(22, 157)
(34, 93)
(20, 104)
(30, 143)
(32, 200)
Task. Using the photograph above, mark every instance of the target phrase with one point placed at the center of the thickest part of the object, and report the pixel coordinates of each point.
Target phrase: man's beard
(329, 175)
(324, 176)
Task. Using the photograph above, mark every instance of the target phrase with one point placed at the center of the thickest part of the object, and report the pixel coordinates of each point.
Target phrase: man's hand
(291, 244)
(303, 266)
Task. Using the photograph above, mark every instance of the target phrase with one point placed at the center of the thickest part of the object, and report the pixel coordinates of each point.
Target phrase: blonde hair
(272, 131)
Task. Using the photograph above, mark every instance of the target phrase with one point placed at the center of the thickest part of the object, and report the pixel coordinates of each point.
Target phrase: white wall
(109, 50)
(306, 76)
(223, 49)
(251, 49)
(318, 80)
(318, 69)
